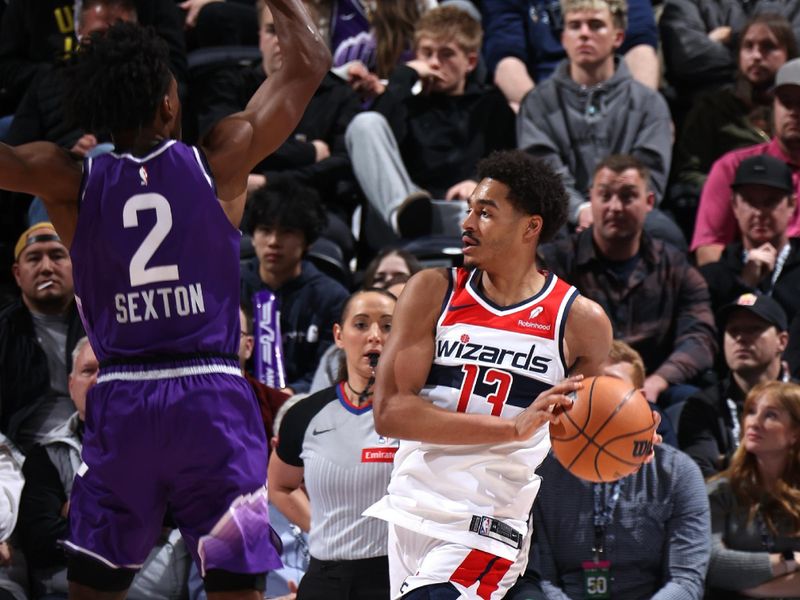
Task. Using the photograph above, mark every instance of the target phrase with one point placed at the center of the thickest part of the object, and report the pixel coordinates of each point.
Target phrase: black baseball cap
(761, 306)
(764, 169)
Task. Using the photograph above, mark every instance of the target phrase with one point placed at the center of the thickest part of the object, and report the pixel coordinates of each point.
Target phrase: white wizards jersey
(488, 360)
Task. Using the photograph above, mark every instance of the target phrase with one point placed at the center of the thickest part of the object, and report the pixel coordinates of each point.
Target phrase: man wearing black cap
(715, 225)
(755, 336)
(764, 260)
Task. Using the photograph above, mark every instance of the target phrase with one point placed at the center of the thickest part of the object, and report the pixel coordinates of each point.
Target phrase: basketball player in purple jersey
(152, 231)
(507, 344)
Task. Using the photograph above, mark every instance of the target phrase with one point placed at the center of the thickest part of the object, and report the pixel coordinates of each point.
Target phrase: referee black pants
(366, 579)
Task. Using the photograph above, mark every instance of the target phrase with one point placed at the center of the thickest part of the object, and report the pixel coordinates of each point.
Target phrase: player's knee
(87, 571)
(218, 580)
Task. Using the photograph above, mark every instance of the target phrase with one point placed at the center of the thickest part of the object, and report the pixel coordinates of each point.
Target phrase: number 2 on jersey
(140, 273)
(497, 398)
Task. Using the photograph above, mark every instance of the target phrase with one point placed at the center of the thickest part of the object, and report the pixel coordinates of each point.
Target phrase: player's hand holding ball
(547, 407)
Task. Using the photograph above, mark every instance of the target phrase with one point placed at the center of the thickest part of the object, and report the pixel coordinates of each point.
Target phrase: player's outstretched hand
(547, 406)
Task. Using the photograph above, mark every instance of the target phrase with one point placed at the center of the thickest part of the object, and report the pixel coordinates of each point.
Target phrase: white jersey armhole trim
(452, 273)
(199, 160)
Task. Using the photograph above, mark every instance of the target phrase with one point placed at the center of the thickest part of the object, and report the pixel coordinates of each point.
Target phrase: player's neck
(137, 143)
(509, 287)
(275, 279)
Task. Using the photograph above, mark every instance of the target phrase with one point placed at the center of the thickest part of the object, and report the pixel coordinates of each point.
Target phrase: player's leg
(116, 505)
(218, 497)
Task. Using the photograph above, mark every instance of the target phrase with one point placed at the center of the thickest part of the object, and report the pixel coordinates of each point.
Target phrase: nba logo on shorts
(486, 526)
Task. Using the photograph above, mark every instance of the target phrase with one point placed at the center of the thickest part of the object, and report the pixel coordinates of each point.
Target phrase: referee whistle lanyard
(603, 516)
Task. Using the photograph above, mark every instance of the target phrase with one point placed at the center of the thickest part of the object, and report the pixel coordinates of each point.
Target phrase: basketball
(608, 432)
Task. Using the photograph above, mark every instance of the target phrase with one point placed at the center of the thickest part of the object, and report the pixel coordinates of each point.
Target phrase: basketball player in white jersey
(480, 361)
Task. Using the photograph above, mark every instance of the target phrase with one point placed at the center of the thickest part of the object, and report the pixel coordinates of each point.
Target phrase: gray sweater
(574, 127)
(738, 558)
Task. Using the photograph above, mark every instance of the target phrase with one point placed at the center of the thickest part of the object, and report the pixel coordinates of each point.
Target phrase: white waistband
(145, 374)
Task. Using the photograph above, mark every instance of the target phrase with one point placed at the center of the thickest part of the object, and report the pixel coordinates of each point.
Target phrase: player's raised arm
(398, 408)
(45, 170)
(239, 142)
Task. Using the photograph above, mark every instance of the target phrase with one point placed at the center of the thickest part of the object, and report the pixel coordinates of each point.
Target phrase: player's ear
(534, 226)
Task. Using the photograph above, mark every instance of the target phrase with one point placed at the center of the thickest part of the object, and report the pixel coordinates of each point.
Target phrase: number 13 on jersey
(497, 382)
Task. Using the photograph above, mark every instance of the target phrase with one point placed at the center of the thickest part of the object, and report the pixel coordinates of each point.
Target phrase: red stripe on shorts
(484, 567)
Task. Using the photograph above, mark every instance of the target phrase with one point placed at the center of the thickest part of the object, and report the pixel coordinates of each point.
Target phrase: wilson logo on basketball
(642, 448)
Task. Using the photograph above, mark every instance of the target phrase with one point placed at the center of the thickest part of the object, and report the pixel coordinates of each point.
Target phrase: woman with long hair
(327, 445)
(755, 503)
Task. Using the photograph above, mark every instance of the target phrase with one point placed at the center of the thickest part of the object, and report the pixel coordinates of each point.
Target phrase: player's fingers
(559, 405)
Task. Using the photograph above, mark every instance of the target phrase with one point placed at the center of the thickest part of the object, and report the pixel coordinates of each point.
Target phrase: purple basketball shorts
(186, 436)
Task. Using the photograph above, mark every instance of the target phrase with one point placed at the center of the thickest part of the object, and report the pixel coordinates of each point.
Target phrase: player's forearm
(410, 417)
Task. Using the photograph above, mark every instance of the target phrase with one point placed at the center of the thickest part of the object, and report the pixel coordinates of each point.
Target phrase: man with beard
(37, 334)
(716, 223)
(657, 302)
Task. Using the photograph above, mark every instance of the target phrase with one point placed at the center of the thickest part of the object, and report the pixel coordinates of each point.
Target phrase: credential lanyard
(603, 515)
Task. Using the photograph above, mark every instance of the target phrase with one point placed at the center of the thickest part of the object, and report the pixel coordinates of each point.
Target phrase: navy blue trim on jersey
(356, 410)
(472, 283)
(452, 275)
(562, 329)
(522, 393)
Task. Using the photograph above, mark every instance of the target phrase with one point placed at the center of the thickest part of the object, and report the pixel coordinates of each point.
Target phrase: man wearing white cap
(716, 224)
(37, 334)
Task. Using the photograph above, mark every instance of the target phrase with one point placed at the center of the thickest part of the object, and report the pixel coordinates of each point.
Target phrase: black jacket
(725, 283)
(310, 304)
(441, 137)
(36, 33)
(708, 424)
(24, 375)
(224, 90)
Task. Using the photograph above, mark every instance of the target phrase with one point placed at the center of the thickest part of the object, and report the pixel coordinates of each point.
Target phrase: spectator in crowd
(315, 153)
(49, 470)
(716, 223)
(591, 107)
(13, 573)
(328, 442)
(657, 302)
(733, 117)
(389, 270)
(653, 527)
(626, 363)
(388, 264)
(755, 503)
(763, 260)
(754, 339)
(425, 134)
(523, 43)
(37, 334)
(699, 40)
(40, 115)
(34, 34)
(284, 219)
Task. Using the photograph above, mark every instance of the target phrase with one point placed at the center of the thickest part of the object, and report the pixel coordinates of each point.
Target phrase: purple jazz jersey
(155, 259)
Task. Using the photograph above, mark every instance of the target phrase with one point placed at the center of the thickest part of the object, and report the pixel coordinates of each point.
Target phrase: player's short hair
(286, 204)
(621, 352)
(77, 350)
(534, 188)
(450, 23)
(617, 8)
(118, 79)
